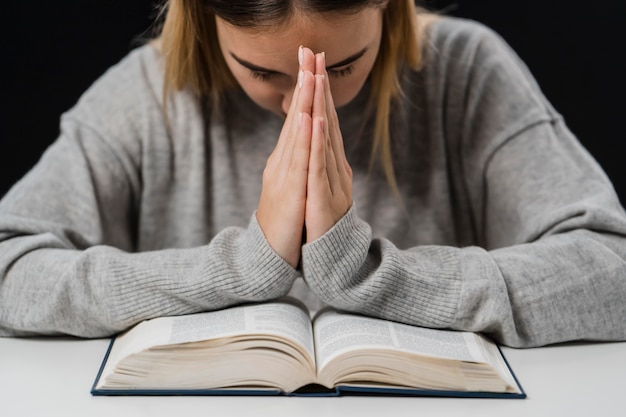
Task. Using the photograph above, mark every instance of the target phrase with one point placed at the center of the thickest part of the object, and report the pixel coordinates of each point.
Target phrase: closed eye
(343, 72)
(263, 75)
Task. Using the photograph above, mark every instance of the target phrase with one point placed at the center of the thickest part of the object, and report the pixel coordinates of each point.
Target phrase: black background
(53, 50)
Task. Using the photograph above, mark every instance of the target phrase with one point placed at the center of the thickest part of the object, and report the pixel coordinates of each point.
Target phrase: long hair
(193, 58)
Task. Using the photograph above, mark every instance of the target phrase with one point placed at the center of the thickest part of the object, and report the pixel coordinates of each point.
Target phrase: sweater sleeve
(67, 264)
(70, 261)
(567, 284)
(549, 260)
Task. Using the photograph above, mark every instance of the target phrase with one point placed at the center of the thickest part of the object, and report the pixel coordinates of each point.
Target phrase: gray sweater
(507, 226)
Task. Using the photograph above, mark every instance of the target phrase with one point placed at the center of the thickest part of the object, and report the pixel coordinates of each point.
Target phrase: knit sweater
(506, 225)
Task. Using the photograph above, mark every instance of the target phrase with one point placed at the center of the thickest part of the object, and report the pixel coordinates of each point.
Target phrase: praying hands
(307, 182)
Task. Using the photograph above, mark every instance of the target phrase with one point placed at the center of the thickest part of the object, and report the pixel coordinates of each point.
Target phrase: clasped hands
(307, 181)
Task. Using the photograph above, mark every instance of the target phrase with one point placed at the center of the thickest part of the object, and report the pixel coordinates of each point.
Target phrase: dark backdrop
(53, 50)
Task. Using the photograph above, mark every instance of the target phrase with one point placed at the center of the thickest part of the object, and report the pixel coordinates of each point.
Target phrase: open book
(275, 348)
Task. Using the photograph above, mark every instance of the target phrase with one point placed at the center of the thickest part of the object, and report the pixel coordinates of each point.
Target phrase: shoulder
(478, 87)
(457, 29)
(129, 91)
(125, 106)
(464, 43)
(476, 63)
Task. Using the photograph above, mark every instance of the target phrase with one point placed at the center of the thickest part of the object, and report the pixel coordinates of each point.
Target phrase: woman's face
(265, 63)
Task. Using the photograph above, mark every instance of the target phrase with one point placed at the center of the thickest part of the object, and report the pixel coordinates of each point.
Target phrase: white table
(52, 377)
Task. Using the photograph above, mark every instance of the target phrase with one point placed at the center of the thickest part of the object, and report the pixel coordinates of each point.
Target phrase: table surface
(53, 377)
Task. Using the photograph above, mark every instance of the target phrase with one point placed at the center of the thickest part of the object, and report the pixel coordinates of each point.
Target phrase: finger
(297, 178)
(318, 186)
(320, 64)
(319, 108)
(333, 122)
(287, 128)
(331, 113)
(319, 112)
(303, 99)
(306, 85)
(319, 97)
(332, 125)
(306, 63)
(306, 58)
(301, 103)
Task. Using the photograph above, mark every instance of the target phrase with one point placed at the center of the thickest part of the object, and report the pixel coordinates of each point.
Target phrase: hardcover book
(276, 348)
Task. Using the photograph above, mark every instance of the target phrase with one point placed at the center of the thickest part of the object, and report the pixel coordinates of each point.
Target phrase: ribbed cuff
(272, 276)
(339, 253)
(350, 271)
(237, 266)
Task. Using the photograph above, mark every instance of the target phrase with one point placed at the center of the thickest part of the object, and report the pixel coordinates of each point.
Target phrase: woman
(361, 154)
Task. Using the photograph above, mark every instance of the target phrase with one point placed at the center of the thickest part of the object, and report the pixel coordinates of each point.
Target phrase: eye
(262, 75)
(343, 72)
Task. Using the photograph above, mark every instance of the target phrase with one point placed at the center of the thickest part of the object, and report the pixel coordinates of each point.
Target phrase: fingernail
(300, 58)
(300, 76)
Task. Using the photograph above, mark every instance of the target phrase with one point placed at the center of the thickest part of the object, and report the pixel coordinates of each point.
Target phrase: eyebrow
(348, 60)
(254, 67)
(257, 68)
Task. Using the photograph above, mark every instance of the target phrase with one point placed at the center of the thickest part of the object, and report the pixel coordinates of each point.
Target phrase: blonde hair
(193, 57)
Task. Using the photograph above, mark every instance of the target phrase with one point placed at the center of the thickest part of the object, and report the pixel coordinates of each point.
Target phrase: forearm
(102, 290)
(566, 287)
(351, 271)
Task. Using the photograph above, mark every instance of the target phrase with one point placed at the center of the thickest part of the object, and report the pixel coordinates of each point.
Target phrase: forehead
(334, 33)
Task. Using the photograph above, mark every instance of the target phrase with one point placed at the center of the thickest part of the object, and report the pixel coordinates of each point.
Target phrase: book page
(281, 319)
(337, 333)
